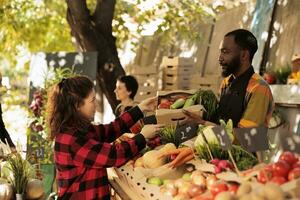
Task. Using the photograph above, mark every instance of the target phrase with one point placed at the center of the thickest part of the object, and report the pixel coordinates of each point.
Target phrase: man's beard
(231, 67)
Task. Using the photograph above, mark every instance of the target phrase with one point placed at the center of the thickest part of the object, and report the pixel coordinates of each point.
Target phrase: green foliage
(173, 20)
(243, 159)
(21, 172)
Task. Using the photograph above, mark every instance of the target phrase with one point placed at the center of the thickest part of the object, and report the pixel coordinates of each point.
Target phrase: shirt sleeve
(122, 124)
(91, 153)
(259, 108)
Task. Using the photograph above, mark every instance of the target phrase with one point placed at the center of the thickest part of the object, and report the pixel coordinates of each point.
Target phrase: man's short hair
(245, 39)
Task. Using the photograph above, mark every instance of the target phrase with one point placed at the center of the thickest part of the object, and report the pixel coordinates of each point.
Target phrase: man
(245, 97)
(4, 136)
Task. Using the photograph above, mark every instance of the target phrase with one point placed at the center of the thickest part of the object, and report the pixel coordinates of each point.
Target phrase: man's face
(229, 57)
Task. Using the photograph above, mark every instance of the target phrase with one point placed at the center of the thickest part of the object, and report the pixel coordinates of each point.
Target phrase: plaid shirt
(258, 100)
(81, 158)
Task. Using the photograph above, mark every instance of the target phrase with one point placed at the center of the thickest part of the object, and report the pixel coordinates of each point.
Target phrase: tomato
(264, 176)
(165, 105)
(233, 188)
(288, 157)
(281, 168)
(217, 188)
(296, 165)
(278, 180)
(294, 174)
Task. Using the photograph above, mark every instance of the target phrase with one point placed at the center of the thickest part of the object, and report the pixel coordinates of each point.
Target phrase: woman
(126, 88)
(83, 151)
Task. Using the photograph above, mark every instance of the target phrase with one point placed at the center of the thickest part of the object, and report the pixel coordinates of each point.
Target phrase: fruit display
(217, 179)
(269, 183)
(294, 78)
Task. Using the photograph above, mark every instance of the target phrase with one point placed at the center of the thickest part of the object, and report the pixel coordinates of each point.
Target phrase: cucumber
(190, 101)
(178, 103)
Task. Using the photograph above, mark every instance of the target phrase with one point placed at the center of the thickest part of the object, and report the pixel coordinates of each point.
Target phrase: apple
(269, 78)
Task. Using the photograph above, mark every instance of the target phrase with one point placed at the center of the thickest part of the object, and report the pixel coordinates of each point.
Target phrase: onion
(185, 188)
(198, 179)
(169, 191)
(181, 197)
(210, 180)
(195, 190)
(179, 183)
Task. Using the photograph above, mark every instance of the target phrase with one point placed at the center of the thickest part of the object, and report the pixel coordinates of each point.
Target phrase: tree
(102, 25)
(93, 32)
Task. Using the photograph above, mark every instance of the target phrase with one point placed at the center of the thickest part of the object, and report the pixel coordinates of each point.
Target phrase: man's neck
(242, 70)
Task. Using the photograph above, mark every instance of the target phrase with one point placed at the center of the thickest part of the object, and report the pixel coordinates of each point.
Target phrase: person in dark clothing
(4, 136)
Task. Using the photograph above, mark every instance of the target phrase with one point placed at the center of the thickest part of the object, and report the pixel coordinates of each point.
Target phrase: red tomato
(278, 180)
(217, 188)
(264, 176)
(165, 105)
(296, 165)
(294, 173)
(233, 188)
(288, 157)
(281, 168)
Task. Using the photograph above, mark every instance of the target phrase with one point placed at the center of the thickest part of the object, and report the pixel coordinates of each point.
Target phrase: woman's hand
(148, 104)
(150, 130)
(183, 155)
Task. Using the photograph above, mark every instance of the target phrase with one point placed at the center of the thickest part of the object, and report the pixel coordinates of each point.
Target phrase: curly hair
(64, 99)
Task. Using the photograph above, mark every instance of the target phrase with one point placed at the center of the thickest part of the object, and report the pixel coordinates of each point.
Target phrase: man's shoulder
(257, 83)
(256, 79)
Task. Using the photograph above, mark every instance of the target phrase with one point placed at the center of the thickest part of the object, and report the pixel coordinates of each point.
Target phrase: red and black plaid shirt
(81, 158)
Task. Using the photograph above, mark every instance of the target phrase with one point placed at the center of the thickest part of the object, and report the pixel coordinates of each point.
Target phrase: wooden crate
(208, 82)
(139, 70)
(178, 70)
(147, 80)
(178, 61)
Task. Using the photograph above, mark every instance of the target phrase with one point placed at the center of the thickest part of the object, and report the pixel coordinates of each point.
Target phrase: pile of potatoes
(269, 191)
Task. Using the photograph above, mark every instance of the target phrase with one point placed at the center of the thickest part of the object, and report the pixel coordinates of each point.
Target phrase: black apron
(232, 101)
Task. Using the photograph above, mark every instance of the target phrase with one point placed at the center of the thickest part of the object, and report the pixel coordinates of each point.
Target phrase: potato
(273, 192)
(225, 196)
(244, 188)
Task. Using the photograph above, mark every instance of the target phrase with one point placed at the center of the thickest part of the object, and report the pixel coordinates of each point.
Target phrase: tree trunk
(93, 32)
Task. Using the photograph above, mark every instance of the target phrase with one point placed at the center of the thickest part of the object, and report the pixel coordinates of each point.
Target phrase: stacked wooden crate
(177, 72)
(207, 82)
(147, 79)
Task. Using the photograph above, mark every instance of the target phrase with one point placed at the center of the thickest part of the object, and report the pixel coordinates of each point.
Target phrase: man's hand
(183, 155)
(191, 117)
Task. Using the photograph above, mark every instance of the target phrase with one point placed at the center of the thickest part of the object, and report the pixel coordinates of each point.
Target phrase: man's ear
(245, 55)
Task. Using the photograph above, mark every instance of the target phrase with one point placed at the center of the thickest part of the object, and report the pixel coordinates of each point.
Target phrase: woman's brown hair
(64, 99)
